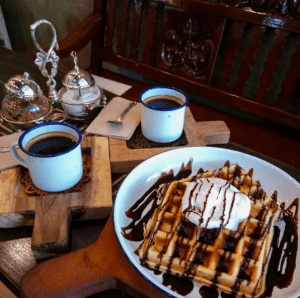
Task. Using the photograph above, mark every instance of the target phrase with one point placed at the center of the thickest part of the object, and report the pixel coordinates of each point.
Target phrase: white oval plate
(145, 175)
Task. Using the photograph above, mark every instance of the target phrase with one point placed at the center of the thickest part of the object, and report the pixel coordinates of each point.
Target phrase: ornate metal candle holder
(43, 58)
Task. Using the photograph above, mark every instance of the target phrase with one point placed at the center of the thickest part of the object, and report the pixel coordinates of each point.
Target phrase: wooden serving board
(123, 159)
(96, 268)
(103, 265)
(51, 214)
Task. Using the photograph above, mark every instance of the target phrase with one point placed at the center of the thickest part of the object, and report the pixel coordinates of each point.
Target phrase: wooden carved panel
(189, 44)
(288, 8)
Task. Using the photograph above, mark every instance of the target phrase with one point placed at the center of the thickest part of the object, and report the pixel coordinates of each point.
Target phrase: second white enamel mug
(163, 125)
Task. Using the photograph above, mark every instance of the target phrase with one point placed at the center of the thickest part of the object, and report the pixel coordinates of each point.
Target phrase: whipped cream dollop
(215, 203)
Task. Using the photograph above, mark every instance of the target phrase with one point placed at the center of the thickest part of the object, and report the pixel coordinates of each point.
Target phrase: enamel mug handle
(14, 153)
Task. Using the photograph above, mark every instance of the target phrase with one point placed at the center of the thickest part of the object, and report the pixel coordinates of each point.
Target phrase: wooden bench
(238, 60)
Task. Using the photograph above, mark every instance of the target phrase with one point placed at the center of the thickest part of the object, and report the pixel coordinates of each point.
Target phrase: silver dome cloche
(24, 104)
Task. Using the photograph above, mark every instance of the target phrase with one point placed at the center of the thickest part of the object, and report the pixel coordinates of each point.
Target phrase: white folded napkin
(111, 111)
(111, 86)
(6, 160)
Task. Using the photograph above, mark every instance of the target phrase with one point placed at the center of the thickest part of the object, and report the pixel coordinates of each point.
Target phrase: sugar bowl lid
(77, 78)
(23, 86)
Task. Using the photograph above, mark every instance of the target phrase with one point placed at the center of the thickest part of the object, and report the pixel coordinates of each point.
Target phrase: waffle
(233, 261)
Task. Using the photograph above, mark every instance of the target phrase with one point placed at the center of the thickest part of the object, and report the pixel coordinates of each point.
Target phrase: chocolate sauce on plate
(134, 231)
(226, 295)
(208, 292)
(182, 286)
(283, 249)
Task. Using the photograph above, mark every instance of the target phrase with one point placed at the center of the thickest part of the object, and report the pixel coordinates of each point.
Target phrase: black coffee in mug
(51, 143)
(163, 102)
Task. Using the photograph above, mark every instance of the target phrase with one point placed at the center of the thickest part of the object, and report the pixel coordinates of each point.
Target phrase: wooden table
(277, 145)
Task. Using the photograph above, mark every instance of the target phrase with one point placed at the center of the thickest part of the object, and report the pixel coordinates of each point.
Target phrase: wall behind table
(65, 15)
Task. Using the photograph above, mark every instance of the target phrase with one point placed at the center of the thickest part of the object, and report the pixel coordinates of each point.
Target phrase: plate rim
(191, 148)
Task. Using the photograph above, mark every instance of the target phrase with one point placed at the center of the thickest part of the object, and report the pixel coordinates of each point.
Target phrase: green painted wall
(65, 15)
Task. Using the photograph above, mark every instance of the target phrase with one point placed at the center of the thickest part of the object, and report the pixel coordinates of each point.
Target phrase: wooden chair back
(242, 54)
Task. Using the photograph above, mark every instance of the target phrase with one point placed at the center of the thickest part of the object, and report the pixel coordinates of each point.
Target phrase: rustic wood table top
(280, 146)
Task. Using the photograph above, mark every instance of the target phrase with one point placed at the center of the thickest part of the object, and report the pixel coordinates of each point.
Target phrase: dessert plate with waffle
(211, 222)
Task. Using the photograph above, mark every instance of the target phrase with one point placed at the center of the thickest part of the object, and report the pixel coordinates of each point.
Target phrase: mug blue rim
(164, 87)
(47, 124)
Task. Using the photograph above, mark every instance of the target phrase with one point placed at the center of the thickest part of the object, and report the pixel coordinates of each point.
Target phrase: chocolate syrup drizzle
(134, 231)
(180, 285)
(208, 292)
(283, 251)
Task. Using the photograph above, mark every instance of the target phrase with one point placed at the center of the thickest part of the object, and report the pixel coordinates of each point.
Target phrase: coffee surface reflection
(51, 143)
(163, 102)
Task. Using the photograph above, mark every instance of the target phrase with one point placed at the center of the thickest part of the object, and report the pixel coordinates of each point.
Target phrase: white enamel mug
(163, 125)
(53, 172)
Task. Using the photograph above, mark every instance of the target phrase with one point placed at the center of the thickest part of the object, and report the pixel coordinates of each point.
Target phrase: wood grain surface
(5, 292)
(124, 159)
(51, 214)
(96, 268)
(88, 271)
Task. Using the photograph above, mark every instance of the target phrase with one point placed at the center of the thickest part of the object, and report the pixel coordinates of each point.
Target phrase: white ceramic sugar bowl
(80, 96)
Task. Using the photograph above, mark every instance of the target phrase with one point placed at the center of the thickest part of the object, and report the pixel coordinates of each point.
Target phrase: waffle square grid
(233, 261)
